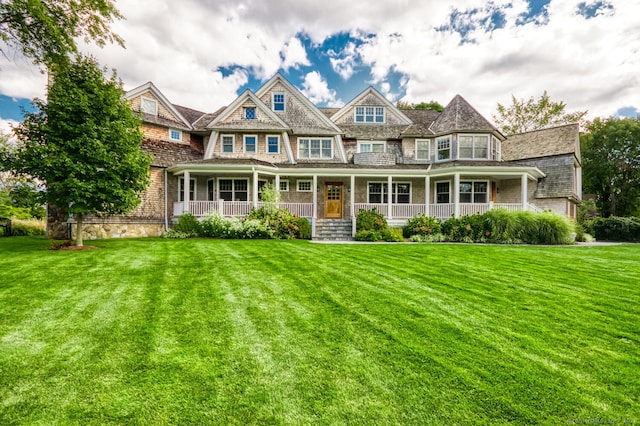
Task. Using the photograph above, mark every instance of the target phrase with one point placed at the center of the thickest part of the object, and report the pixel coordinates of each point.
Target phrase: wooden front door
(333, 200)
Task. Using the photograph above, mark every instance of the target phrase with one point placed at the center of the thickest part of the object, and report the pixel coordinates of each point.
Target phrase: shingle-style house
(330, 163)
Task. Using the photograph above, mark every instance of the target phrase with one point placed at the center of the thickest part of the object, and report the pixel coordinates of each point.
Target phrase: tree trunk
(79, 241)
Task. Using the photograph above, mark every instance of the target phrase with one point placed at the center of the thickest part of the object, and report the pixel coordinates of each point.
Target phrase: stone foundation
(95, 230)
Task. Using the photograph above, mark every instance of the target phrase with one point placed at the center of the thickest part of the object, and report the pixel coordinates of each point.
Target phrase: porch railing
(237, 208)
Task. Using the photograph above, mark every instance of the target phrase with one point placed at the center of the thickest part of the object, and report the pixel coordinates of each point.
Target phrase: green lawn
(288, 332)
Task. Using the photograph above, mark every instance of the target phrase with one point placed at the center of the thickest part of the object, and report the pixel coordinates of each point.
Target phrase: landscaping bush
(214, 226)
(188, 224)
(304, 228)
(27, 228)
(466, 229)
(614, 228)
(282, 223)
(21, 213)
(370, 220)
(172, 233)
(501, 226)
(422, 225)
(553, 229)
(368, 235)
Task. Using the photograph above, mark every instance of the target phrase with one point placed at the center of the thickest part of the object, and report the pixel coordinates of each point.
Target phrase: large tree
(611, 165)
(527, 115)
(84, 143)
(46, 30)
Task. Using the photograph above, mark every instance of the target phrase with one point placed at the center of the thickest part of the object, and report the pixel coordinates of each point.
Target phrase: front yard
(156, 331)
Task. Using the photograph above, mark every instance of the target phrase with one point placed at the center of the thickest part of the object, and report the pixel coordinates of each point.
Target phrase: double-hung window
(369, 114)
(371, 146)
(227, 143)
(473, 147)
(443, 192)
(233, 189)
(422, 149)
(400, 193)
(273, 144)
(443, 148)
(211, 190)
(315, 148)
(278, 101)
(250, 144)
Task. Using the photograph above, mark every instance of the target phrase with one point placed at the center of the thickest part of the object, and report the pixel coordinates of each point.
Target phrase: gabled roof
(275, 124)
(459, 115)
(279, 78)
(543, 143)
(403, 119)
(422, 121)
(150, 87)
(190, 114)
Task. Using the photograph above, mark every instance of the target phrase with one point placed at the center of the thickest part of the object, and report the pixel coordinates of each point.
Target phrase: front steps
(333, 230)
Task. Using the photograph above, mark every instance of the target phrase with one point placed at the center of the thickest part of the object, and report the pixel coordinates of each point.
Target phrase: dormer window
(371, 146)
(250, 113)
(369, 114)
(148, 106)
(278, 101)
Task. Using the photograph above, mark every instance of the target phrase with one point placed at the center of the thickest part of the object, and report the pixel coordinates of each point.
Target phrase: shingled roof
(422, 121)
(543, 143)
(166, 154)
(459, 115)
(190, 114)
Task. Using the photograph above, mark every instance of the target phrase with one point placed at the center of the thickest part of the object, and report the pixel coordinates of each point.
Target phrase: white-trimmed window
(273, 144)
(474, 191)
(443, 192)
(233, 189)
(443, 148)
(175, 135)
(250, 144)
(496, 149)
(211, 190)
(284, 185)
(422, 149)
(192, 189)
(369, 114)
(315, 148)
(149, 106)
(278, 101)
(376, 146)
(228, 141)
(250, 113)
(304, 185)
(400, 193)
(473, 147)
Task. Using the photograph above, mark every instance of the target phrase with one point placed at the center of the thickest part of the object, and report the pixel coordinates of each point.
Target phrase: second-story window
(473, 147)
(315, 148)
(422, 149)
(278, 101)
(250, 144)
(227, 143)
(371, 146)
(369, 114)
(273, 144)
(443, 148)
(250, 113)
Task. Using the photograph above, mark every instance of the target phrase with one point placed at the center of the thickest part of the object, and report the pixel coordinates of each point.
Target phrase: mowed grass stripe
(254, 332)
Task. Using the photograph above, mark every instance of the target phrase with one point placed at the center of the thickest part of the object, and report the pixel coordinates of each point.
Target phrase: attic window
(369, 114)
(250, 113)
(149, 106)
(278, 101)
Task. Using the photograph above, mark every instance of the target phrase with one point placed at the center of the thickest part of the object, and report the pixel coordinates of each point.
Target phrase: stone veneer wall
(95, 229)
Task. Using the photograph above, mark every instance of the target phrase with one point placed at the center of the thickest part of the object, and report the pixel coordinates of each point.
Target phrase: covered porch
(340, 193)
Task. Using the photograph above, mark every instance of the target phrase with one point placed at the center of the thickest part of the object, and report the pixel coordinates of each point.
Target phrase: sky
(203, 54)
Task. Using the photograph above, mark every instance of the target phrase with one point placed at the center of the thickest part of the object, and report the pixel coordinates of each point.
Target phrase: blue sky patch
(537, 13)
(11, 108)
(593, 9)
(463, 22)
(629, 112)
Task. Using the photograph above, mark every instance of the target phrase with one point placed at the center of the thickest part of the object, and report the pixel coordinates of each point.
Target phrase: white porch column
(352, 195)
(277, 185)
(255, 189)
(427, 194)
(186, 186)
(315, 206)
(524, 191)
(389, 197)
(456, 195)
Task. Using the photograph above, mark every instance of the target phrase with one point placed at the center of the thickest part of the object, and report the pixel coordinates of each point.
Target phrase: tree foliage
(611, 165)
(46, 30)
(84, 143)
(527, 115)
(432, 105)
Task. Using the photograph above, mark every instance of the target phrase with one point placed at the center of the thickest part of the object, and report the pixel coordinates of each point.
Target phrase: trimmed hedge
(614, 228)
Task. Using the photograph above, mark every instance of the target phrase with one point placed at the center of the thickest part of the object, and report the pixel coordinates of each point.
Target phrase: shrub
(213, 226)
(253, 229)
(422, 225)
(393, 235)
(501, 226)
(27, 228)
(615, 228)
(587, 210)
(553, 229)
(304, 228)
(282, 223)
(21, 213)
(368, 235)
(187, 224)
(370, 220)
(172, 233)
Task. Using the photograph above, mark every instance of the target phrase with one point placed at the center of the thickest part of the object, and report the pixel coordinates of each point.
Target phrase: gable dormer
(289, 104)
(370, 108)
(161, 119)
(248, 112)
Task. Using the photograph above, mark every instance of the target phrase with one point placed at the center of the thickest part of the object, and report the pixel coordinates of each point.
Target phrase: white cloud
(294, 54)
(316, 89)
(6, 128)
